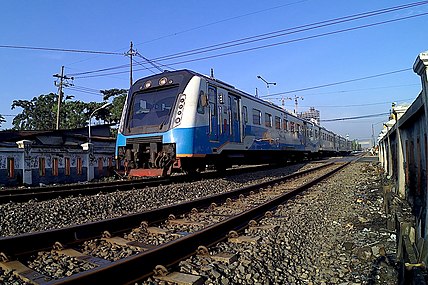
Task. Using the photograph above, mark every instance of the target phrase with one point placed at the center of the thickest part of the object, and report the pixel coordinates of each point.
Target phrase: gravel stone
(318, 238)
(32, 216)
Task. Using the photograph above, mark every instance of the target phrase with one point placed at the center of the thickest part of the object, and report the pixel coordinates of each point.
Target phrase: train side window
(67, 166)
(202, 102)
(42, 166)
(277, 123)
(291, 126)
(10, 167)
(257, 117)
(55, 166)
(245, 111)
(285, 125)
(100, 166)
(212, 96)
(79, 166)
(297, 128)
(268, 120)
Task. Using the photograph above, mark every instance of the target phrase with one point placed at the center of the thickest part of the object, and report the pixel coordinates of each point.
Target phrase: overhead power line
(289, 31)
(86, 90)
(151, 62)
(59, 49)
(338, 83)
(100, 70)
(300, 39)
(223, 20)
(358, 90)
(142, 64)
(305, 27)
(359, 105)
(355, 118)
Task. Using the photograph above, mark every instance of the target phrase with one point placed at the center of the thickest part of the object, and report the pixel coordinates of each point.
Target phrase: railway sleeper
(225, 211)
(124, 242)
(181, 278)
(83, 257)
(158, 231)
(186, 222)
(25, 273)
(224, 257)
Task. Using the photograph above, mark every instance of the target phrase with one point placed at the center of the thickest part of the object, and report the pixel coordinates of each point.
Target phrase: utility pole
(296, 102)
(60, 84)
(283, 101)
(131, 52)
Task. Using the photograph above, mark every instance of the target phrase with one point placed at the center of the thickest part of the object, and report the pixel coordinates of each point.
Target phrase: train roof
(190, 73)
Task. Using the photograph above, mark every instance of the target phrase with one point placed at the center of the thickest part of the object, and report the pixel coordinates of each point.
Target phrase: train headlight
(163, 81)
(148, 84)
(179, 110)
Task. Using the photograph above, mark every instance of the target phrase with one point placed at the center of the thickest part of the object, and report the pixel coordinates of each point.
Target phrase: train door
(244, 120)
(213, 113)
(305, 134)
(234, 118)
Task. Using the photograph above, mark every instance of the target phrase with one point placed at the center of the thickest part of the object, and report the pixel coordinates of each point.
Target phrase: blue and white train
(185, 120)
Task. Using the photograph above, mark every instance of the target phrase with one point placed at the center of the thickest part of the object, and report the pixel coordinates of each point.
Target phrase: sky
(373, 55)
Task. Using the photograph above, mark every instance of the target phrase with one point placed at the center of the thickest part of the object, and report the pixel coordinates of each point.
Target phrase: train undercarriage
(154, 158)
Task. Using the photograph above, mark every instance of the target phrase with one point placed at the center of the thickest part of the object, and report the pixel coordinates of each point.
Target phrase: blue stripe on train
(197, 140)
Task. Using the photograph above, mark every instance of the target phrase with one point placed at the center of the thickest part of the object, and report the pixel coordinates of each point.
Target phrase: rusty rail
(142, 264)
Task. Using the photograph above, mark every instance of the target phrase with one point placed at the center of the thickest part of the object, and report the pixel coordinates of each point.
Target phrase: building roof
(58, 137)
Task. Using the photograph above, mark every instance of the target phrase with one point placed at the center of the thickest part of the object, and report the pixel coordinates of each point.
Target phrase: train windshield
(150, 110)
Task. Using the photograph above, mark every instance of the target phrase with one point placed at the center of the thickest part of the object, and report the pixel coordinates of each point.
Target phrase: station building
(35, 158)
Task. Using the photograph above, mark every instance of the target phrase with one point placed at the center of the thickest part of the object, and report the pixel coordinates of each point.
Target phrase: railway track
(51, 192)
(137, 243)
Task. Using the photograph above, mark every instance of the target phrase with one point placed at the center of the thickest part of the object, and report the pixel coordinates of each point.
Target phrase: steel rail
(52, 192)
(32, 242)
(133, 268)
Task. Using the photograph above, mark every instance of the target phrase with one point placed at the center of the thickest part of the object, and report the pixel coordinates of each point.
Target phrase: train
(185, 121)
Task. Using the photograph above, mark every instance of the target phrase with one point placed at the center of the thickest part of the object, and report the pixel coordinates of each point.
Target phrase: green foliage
(2, 120)
(40, 112)
(119, 97)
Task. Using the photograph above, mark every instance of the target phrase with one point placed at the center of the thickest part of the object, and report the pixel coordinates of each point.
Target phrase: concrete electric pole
(60, 85)
(131, 52)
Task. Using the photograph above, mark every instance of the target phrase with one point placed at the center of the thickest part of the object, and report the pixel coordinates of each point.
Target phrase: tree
(119, 97)
(75, 114)
(38, 113)
(2, 120)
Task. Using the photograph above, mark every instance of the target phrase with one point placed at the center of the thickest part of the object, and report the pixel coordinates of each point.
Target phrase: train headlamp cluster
(180, 107)
(162, 82)
(148, 84)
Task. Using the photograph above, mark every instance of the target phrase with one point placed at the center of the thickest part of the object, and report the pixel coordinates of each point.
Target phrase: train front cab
(146, 141)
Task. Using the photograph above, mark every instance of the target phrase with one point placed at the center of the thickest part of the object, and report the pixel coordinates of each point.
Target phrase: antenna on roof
(212, 73)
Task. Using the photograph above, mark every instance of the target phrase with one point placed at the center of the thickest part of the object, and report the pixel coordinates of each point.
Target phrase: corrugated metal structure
(403, 155)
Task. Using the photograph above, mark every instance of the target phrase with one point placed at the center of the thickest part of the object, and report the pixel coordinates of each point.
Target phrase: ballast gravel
(335, 233)
(33, 216)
